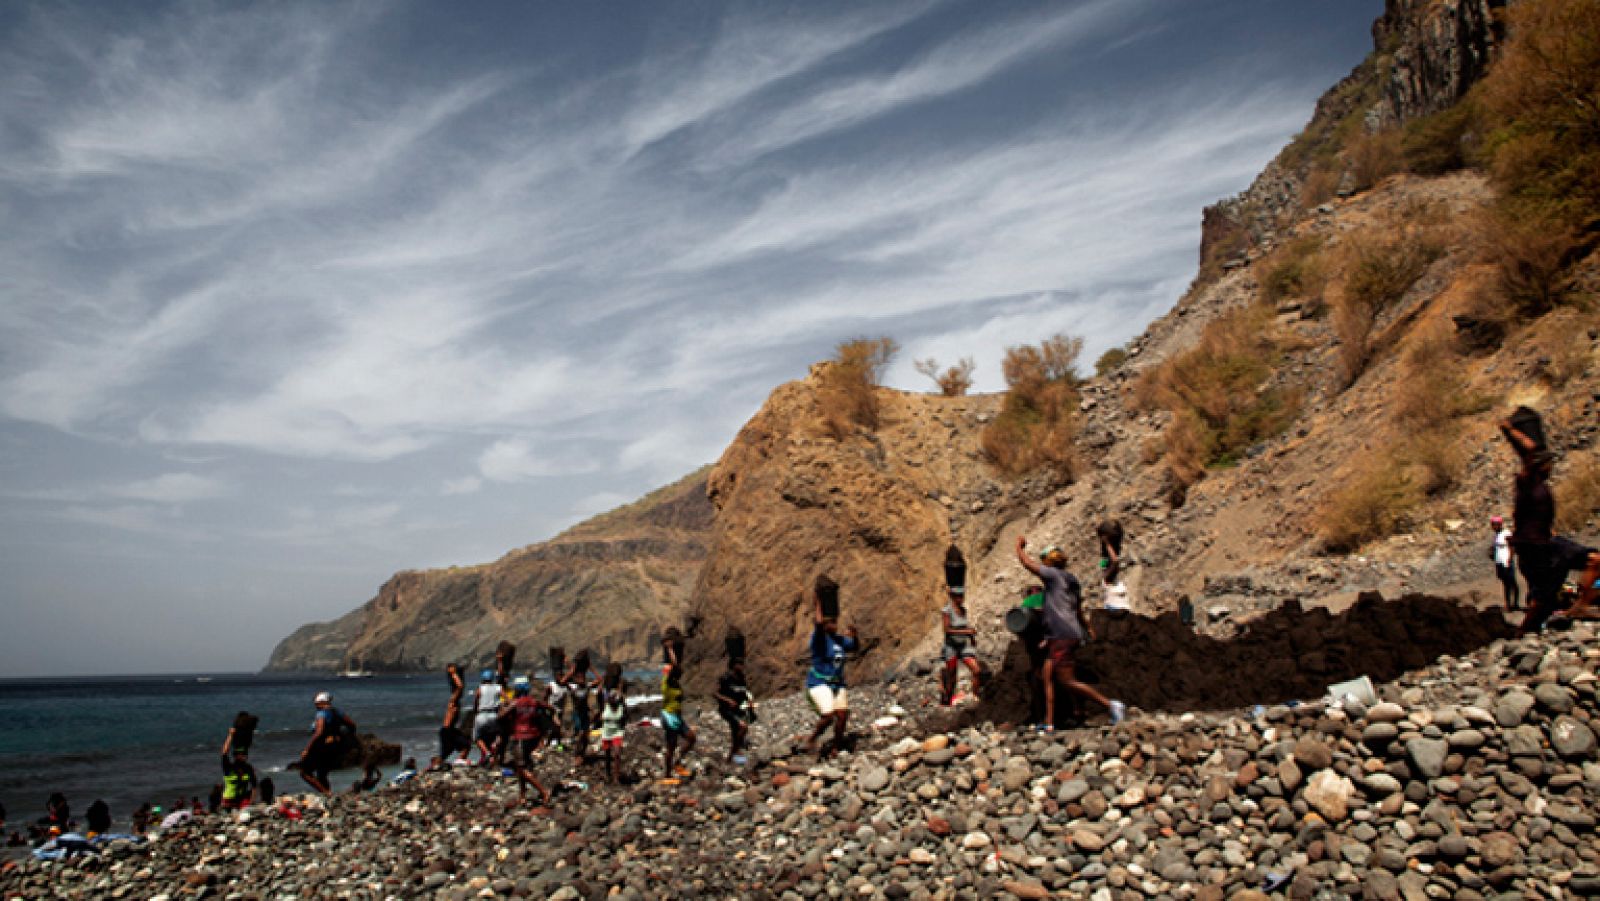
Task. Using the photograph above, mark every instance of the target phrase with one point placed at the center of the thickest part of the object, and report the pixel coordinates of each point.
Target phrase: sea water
(132, 739)
(128, 740)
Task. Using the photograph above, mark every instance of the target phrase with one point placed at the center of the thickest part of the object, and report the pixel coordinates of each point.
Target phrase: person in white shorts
(825, 679)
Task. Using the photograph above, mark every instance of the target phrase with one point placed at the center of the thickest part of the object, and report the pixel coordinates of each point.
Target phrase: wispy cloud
(304, 278)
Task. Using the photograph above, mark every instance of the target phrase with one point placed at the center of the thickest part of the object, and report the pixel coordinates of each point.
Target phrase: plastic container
(1358, 689)
(1020, 619)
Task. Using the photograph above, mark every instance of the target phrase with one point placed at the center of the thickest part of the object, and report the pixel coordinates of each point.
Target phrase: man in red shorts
(1063, 620)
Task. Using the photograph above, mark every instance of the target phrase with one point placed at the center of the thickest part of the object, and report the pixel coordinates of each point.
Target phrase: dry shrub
(1541, 102)
(1038, 420)
(954, 381)
(1110, 360)
(1559, 345)
(1219, 394)
(1578, 492)
(1432, 391)
(1530, 256)
(1380, 266)
(1295, 271)
(848, 391)
(1321, 183)
(1371, 503)
(1374, 157)
(1440, 143)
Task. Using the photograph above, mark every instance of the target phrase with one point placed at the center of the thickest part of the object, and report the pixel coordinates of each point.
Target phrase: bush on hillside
(1380, 266)
(848, 391)
(1219, 394)
(1541, 106)
(1295, 272)
(1440, 143)
(1110, 360)
(1370, 503)
(954, 381)
(1374, 157)
(1578, 492)
(1037, 422)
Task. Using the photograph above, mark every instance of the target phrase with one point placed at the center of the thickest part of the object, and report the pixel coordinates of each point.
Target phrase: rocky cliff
(607, 584)
(1426, 56)
(874, 510)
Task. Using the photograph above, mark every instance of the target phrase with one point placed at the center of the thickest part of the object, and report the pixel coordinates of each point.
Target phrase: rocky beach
(1475, 776)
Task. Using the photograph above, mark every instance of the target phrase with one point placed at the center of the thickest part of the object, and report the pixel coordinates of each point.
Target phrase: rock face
(605, 584)
(1426, 56)
(875, 511)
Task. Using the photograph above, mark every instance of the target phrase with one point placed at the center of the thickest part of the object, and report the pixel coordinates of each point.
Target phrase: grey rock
(1512, 708)
(875, 779)
(1571, 738)
(1427, 756)
(1553, 698)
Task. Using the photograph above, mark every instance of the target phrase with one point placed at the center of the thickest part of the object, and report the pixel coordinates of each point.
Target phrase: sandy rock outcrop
(875, 511)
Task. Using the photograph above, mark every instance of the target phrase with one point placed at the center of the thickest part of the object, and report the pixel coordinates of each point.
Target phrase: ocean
(132, 739)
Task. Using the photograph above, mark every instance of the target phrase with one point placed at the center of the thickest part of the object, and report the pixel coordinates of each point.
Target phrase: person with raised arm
(1064, 626)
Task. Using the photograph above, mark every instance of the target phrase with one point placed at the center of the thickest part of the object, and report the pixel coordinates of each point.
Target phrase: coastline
(1474, 776)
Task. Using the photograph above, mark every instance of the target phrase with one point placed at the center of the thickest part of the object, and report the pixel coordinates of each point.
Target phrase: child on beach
(613, 721)
(578, 681)
(238, 776)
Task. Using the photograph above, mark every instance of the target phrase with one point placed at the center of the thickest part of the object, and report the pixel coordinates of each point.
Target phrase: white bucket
(1359, 689)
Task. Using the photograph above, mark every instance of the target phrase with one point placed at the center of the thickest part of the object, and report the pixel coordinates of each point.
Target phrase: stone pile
(1474, 777)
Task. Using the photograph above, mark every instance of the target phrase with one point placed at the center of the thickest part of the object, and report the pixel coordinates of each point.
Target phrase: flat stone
(1513, 708)
(1427, 756)
(875, 779)
(1572, 739)
(939, 757)
(1466, 739)
(1087, 841)
(1072, 790)
(1386, 712)
(1553, 698)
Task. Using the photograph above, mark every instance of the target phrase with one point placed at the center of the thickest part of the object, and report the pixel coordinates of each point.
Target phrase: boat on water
(355, 674)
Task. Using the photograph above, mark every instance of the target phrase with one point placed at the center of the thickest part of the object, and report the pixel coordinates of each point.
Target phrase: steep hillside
(608, 584)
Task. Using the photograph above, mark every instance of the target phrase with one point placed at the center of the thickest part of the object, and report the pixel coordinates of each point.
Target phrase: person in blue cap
(486, 725)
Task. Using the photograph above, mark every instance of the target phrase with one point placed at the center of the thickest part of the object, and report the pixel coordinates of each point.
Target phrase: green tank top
(671, 698)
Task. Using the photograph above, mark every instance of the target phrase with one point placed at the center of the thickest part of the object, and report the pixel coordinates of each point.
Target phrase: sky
(297, 295)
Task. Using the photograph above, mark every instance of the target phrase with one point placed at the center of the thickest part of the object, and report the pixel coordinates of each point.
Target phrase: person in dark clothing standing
(735, 708)
(1544, 557)
(1063, 619)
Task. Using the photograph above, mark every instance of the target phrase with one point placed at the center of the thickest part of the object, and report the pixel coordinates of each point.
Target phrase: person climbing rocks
(735, 708)
(453, 742)
(330, 731)
(825, 685)
(613, 720)
(526, 719)
(238, 776)
(1115, 599)
(674, 726)
(486, 722)
(960, 646)
(1063, 617)
(1544, 557)
(1504, 557)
